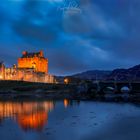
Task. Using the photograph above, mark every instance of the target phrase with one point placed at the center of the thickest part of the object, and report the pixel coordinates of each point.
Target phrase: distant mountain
(118, 74)
(125, 74)
(93, 74)
(132, 73)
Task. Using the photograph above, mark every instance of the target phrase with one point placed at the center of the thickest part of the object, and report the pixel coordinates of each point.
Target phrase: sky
(75, 35)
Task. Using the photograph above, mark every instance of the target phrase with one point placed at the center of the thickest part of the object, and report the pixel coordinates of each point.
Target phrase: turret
(24, 53)
(41, 53)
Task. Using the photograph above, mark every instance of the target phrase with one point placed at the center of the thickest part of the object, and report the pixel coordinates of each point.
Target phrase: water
(68, 120)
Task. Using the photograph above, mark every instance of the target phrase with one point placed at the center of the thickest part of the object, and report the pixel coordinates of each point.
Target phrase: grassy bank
(27, 86)
(29, 90)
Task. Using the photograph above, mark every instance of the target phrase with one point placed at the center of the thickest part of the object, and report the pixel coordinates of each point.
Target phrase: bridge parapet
(117, 86)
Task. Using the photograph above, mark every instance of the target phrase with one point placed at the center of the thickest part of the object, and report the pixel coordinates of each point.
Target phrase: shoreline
(19, 90)
(42, 97)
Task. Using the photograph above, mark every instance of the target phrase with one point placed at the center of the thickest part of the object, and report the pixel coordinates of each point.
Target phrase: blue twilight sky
(76, 35)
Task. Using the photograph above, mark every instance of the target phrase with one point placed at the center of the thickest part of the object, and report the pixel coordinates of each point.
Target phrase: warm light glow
(1, 77)
(27, 114)
(33, 121)
(34, 60)
(66, 103)
(66, 80)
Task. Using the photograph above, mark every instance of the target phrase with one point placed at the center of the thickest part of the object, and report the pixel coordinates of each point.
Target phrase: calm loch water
(68, 120)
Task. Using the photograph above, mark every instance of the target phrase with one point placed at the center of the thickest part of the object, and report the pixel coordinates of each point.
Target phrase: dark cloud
(91, 34)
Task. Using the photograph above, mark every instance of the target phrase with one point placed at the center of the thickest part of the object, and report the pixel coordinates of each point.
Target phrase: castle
(32, 67)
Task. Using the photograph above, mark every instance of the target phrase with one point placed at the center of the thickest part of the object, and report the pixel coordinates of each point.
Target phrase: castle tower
(35, 60)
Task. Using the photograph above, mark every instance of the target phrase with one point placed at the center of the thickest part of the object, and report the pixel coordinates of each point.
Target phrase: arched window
(34, 65)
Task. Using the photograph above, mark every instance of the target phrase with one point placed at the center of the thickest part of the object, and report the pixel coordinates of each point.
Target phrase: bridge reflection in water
(28, 115)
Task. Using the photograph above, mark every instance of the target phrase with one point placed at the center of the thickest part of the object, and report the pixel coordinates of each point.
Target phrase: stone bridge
(134, 87)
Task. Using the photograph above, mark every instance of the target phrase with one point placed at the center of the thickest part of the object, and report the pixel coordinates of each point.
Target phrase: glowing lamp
(66, 80)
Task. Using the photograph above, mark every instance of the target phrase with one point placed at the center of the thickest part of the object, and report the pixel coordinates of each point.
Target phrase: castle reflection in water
(28, 115)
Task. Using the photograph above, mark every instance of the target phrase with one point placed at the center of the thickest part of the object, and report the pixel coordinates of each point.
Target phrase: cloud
(103, 35)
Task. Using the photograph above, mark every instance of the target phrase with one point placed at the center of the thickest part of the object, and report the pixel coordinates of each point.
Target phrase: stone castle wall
(38, 62)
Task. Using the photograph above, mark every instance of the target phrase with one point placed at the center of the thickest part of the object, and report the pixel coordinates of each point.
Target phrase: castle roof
(32, 54)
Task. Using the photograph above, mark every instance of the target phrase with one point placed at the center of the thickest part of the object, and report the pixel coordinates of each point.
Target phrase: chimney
(24, 53)
(41, 53)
